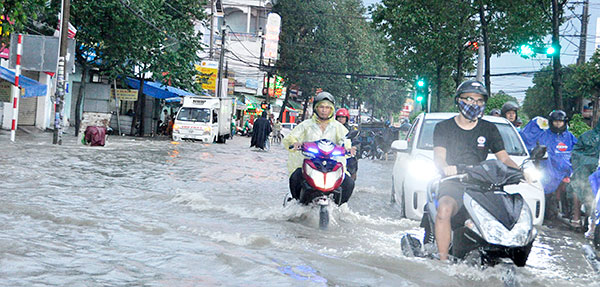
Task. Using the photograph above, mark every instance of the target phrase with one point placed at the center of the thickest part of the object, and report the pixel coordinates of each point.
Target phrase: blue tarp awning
(32, 88)
(158, 90)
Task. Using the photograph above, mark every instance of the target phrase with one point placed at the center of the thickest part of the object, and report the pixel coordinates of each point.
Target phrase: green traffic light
(419, 99)
(420, 83)
(550, 51)
(526, 51)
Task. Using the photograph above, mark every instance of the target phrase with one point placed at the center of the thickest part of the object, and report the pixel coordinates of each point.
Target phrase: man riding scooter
(320, 126)
(462, 140)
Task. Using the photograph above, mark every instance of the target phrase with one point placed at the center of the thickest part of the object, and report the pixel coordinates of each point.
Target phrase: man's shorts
(454, 189)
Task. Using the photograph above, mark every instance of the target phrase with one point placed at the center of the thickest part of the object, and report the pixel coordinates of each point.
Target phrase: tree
(496, 101)
(325, 44)
(140, 37)
(427, 39)
(585, 82)
(19, 14)
(538, 100)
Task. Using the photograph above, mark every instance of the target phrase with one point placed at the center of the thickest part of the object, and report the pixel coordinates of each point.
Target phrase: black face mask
(558, 130)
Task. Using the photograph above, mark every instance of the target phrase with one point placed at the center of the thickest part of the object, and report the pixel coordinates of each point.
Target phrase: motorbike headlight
(422, 169)
(533, 173)
(324, 181)
(495, 233)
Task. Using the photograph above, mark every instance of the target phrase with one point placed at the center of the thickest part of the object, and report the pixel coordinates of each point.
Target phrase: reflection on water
(143, 212)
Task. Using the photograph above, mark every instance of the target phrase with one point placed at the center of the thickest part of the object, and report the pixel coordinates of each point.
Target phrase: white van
(207, 119)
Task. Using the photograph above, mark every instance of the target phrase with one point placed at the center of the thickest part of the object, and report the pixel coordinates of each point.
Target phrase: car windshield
(512, 142)
(194, 115)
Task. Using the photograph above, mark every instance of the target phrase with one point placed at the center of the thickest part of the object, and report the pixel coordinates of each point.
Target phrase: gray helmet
(471, 86)
(509, 106)
(323, 96)
(495, 112)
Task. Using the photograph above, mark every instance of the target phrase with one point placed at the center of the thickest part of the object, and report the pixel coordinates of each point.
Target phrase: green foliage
(20, 14)
(324, 36)
(497, 100)
(538, 99)
(160, 39)
(586, 78)
(577, 125)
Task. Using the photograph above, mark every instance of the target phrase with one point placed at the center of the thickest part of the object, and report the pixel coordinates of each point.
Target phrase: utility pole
(221, 60)
(583, 39)
(212, 28)
(60, 86)
(480, 59)
(556, 58)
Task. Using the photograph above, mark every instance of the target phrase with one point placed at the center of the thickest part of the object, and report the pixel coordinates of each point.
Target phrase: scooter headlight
(324, 181)
(533, 173)
(495, 233)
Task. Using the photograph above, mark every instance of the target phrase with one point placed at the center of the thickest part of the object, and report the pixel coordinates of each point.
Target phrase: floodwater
(143, 212)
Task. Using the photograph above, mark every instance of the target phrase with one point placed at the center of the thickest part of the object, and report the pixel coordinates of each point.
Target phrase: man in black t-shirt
(462, 140)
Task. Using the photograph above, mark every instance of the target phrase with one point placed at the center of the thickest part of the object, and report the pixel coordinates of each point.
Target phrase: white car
(414, 167)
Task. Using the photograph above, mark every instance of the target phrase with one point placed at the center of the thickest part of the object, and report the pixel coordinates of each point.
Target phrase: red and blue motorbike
(322, 176)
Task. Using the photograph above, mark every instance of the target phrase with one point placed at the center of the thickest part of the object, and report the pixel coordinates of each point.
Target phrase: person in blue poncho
(554, 134)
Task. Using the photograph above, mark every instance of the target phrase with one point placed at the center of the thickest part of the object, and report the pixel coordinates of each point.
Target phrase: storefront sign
(125, 94)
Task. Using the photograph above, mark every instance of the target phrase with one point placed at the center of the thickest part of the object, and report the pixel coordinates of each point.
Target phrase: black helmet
(558, 115)
(509, 106)
(495, 112)
(471, 86)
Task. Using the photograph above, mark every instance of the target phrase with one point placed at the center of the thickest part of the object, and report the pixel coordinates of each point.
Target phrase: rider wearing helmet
(495, 112)
(342, 115)
(320, 126)
(509, 111)
(557, 168)
(462, 140)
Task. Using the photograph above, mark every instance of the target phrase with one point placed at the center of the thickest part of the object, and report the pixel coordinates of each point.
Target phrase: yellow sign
(125, 94)
(208, 74)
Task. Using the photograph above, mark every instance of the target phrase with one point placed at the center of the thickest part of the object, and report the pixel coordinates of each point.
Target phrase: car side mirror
(399, 146)
(538, 152)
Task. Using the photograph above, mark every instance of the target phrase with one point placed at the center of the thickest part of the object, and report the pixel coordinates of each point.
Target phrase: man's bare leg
(443, 230)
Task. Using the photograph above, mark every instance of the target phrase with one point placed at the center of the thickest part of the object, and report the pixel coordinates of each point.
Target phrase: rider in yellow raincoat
(321, 125)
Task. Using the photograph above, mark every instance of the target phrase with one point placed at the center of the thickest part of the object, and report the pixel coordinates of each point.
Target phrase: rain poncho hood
(585, 161)
(559, 147)
(308, 131)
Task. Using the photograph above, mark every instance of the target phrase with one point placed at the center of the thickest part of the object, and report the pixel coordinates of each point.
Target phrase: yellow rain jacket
(309, 131)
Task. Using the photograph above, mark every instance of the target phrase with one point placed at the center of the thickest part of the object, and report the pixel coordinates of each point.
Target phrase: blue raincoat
(594, 179)
(559, 147)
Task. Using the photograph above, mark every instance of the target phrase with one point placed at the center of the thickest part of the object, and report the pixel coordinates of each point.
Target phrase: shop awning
(32, 88)
(158, 90)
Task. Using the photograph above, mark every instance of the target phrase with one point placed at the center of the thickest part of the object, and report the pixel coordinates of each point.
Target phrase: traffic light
(526, 51)
(422, 92)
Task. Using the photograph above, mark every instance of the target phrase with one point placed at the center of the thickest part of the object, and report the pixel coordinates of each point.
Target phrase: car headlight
(533, 173)
(175, 127)
(422, 169)
(207, 129)
(495, 233)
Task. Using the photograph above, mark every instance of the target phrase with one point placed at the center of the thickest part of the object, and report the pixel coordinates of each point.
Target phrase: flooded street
(143, 212)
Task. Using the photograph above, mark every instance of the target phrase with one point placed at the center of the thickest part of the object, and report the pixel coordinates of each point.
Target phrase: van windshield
(194, 115)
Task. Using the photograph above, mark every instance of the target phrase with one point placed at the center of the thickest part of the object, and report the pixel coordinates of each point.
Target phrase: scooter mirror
(352, 134)
(538, 152)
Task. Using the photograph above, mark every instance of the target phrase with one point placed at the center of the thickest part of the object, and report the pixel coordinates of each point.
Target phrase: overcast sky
(509, 62)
